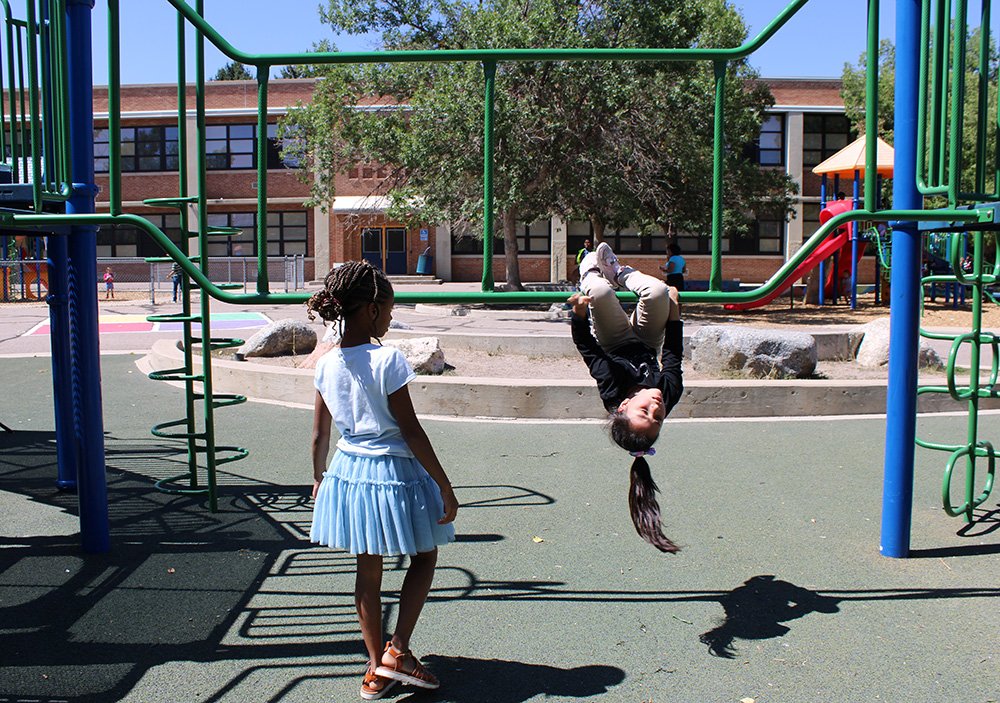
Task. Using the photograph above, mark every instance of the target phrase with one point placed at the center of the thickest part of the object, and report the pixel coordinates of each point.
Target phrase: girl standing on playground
(621, 352)
(384, 492)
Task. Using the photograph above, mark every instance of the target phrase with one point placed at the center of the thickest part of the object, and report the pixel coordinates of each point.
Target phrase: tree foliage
(853, 94)
(233, 71)
(612, 142)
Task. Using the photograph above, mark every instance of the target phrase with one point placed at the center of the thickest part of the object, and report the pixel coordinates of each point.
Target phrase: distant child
(109, 283)
(384, 492)
(176, 275)
(637, 390)
(676, 267)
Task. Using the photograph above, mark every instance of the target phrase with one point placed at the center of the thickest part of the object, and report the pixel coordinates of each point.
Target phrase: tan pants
(612, 326)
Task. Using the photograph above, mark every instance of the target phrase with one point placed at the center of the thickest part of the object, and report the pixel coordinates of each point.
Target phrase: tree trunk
(509, 220)
(597, 224)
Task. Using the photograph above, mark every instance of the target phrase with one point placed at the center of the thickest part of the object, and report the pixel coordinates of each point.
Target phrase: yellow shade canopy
(852, 158)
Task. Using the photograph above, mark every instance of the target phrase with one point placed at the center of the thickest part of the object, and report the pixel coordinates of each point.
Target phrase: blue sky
(816, 42)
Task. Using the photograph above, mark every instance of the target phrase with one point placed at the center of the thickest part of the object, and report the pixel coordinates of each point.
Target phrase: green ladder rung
(163, 486)
(177, 203)
(220, 286)
(240, 453)
(160, 430)
(176, 317)
(223, 400)
(175, 375)
(221, 232)
(167, 259)
(225, 343)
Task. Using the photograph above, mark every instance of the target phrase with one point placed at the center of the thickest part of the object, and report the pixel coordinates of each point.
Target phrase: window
(232, 146)
(770, 145)
(537, 237)
(151, 148)
(767, 236)
(823, 136)
(471, 243)
(286, 233)
(242, 244)
(126, 240)
(229, 146)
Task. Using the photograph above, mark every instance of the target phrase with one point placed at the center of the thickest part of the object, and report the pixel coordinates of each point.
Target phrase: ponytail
(644, 509)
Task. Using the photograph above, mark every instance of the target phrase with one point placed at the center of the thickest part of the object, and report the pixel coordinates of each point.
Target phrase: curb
(452, 396)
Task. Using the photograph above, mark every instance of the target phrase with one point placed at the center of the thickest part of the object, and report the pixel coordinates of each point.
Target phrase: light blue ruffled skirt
(384, 504)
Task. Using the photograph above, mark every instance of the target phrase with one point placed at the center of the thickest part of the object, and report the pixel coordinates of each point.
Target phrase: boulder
(423, 353)
(754, 353)
(870, 344)
(280, 337)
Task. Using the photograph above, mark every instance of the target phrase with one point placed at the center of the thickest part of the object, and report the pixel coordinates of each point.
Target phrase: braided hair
(346, 289)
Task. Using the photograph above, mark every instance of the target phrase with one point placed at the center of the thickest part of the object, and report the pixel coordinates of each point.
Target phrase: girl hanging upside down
(621, 352)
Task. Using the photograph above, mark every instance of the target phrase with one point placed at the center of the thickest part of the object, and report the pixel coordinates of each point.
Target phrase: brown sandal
(372, 679)
(418, 676)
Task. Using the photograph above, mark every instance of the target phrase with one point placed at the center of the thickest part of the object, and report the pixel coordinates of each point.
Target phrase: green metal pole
(957, 103)
(982, 120)
(114, 110)
(871, 109)
(206, 332)
(490, 74)
(715, 277)
(262, 282)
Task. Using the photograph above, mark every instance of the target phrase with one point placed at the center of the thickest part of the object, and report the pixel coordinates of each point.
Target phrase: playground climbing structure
(56, 36)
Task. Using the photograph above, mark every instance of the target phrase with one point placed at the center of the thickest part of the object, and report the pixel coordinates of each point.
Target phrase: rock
(280, 337)
(870, 344)
(423, 353)
(753, 353)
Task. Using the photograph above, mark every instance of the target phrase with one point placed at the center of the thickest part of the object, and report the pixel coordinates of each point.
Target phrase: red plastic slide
(839, 239)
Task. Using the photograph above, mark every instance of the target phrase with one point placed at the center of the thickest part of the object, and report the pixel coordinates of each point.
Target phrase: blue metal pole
(85, 349)
(901, 403)
(854, 243)
(62, 366)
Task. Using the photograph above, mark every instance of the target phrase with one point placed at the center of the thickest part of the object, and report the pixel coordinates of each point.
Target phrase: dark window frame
(145, 149)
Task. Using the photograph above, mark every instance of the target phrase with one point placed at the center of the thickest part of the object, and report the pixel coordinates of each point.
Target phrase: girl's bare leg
(368, 601)
(416, 586)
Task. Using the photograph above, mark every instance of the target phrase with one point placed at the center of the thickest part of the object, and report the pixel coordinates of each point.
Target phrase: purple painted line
(216, 325)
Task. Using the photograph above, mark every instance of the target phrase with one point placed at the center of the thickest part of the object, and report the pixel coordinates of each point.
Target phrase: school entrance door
(385, 247)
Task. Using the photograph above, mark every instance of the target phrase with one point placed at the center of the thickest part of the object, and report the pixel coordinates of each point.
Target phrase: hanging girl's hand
(579, 303)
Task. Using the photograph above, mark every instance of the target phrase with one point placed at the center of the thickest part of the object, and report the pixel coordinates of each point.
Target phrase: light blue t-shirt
(355, 384)
(679, 263)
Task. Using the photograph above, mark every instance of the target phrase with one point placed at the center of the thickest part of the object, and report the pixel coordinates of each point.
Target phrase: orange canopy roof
(852, 158)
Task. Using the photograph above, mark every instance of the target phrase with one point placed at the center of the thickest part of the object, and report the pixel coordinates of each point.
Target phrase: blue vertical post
(854, 243)
(82, 290)
(901, 404)
(62, 367)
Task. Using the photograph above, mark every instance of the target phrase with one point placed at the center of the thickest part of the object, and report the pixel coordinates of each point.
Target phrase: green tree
(614, 142)
(233, 71)
(853, 94)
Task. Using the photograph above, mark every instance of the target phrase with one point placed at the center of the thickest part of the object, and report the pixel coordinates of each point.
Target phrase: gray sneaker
(608, 263)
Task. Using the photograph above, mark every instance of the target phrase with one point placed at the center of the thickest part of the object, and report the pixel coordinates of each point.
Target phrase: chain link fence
(139, 280)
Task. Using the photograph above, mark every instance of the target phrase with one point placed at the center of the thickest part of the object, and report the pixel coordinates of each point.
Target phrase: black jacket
(633, 364)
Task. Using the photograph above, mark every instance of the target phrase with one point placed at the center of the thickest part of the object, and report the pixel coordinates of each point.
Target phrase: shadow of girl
(755, 611)
(498, 681)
